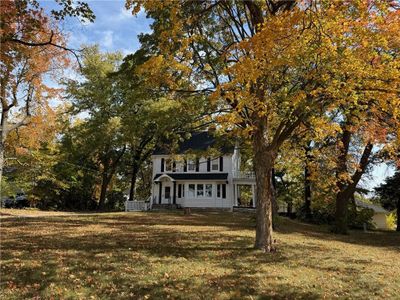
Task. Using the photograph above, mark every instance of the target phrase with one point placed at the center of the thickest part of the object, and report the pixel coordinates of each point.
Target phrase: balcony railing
(244, 175)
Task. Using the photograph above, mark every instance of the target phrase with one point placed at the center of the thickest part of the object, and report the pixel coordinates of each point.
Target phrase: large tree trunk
(263, 165)
(398, 215)
(346, 191)
(135, 170)
(103, 192)
(1, 167)
(307, 185)
(342, 202)
(340, 225)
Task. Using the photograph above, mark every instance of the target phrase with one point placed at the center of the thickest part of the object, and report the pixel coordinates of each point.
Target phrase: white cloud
(107, 40)
(124, 14)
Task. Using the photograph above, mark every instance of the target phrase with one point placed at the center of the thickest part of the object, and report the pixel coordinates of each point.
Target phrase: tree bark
(346, 191)
(342, 201)
(1, 167)
(104, 185)
(398, 215)
(264, 163)
(307, 183)
(135, 170)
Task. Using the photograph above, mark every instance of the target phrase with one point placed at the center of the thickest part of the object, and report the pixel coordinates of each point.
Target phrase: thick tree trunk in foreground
(398, 215)
(1, 166)
(263, 165)
(342, 202)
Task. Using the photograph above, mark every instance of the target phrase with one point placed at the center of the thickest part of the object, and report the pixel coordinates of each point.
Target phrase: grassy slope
(203, 256)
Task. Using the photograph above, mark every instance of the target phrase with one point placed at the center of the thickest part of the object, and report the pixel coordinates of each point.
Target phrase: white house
(186, 180)
(380, 214)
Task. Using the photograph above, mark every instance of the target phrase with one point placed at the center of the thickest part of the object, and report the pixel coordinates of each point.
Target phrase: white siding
(379, 220)
(212, 202)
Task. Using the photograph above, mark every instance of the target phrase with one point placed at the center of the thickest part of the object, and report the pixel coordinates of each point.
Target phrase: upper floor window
(168, 165)
(191, 165)
(215, 165)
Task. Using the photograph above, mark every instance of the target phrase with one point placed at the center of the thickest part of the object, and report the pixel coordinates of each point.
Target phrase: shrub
(115, 201)
(358, 217)
(391, 220)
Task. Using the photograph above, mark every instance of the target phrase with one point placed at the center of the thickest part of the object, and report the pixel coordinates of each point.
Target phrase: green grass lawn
(161, 255)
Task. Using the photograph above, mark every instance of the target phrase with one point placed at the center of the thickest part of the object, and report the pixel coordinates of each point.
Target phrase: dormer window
(191, 165)
(215, 165)
(168, 165)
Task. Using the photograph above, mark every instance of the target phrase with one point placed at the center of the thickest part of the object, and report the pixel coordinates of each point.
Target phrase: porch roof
(194, 176)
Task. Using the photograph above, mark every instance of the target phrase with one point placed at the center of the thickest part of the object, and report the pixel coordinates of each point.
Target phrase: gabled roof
(375, 208)
(199, 141)
(194, 176)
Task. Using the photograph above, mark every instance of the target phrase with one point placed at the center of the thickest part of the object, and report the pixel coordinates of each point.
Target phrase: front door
(167, 194)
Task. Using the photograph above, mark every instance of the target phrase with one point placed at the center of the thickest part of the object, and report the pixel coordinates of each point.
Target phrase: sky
(116, 29)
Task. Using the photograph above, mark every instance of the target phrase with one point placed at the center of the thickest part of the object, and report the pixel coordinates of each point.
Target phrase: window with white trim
(200, 191)
(215, 165)
(221, 191)
(191, 165)
(168, 165)
(208, 191)
(191, 192)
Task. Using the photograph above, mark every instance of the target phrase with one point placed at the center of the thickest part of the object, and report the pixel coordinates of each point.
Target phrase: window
(181, 191)
(200, 190)
(208, 190)
(215, 165)
(191, 165)
(168, 165)
(218, 191)
(191, 190)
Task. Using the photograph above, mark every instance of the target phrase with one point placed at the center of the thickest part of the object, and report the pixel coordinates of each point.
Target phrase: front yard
(160, 255)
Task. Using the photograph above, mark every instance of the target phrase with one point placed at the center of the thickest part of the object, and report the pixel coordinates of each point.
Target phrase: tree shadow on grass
(386, 239)
(129, 256)
(45, 252)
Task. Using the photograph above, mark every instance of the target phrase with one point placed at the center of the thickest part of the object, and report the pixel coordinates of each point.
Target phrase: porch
(244, 189)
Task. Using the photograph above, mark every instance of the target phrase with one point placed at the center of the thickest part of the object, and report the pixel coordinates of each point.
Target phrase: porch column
(159, 193)
(152, 193)
(174, 193)
(233, 195)
(237, 194)
(253, 194)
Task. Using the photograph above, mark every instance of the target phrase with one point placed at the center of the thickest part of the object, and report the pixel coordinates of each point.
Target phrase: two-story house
(204, 181)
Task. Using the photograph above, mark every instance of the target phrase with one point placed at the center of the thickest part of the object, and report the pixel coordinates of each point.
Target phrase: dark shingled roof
(195, 176)
(199, 141)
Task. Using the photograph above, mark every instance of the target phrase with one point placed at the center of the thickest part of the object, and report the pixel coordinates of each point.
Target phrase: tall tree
(101, 129)
(276, 64)
(32, 46)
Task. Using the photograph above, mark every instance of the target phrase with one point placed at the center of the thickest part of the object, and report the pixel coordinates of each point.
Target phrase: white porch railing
(137, 205)
(244, 175)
